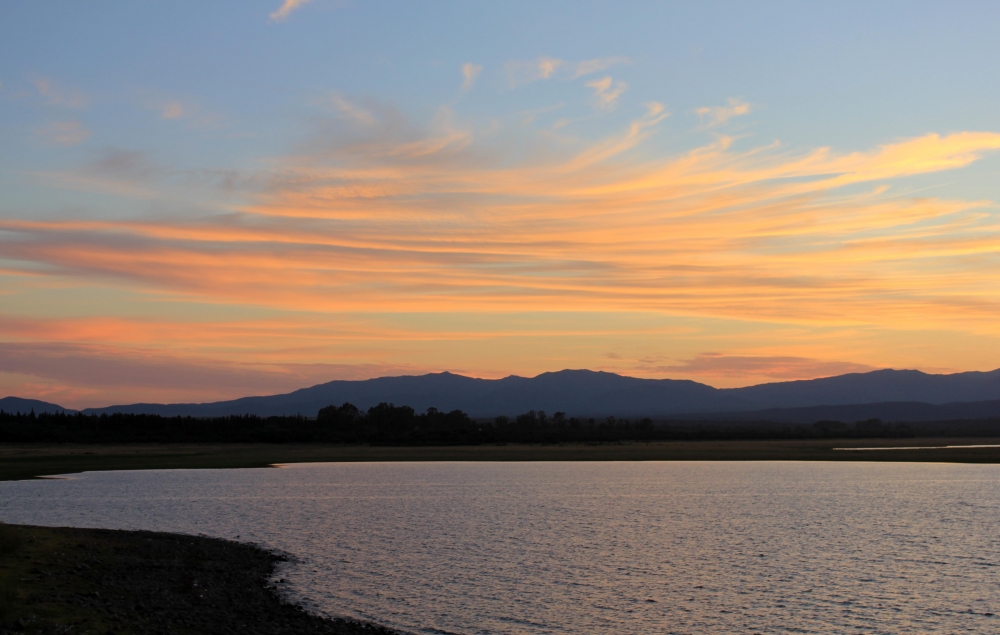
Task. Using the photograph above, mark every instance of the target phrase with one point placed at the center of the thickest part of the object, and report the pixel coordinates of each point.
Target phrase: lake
(589, 548)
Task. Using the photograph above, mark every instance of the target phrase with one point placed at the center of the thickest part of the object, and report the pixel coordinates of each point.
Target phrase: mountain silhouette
(876, 386)
(17, 405)
(575, 392)
(586, 393)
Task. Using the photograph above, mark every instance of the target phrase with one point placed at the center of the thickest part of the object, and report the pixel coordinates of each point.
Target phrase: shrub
(8, 600)
(11, 539)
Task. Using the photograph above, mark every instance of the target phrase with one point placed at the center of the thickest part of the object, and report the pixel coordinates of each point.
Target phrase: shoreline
(34, 460)
(104, 581)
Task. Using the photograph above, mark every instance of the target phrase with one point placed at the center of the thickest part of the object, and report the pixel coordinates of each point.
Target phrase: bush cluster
(388, 424)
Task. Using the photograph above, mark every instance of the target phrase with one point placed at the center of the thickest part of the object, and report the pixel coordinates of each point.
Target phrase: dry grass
(11, 539)
(9, 600)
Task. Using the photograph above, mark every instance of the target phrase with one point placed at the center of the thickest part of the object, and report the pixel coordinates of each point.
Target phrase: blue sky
(148, 119)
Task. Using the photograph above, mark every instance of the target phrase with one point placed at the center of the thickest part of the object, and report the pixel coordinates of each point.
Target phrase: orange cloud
(524, 72)
(586, 67)
(772, 367)
(416, 225)
(81, 376)
(441, 224)
(606, 93)
(521, 72)
(712, 116)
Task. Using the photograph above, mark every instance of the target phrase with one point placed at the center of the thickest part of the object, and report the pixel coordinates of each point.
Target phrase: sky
(201, 201)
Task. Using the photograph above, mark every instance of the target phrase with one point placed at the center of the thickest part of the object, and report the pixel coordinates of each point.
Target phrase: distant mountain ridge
(584, 393)
(876, 386)
(17, 404)
(598, 394)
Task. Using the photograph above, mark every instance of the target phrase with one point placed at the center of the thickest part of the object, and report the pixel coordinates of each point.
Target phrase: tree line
(388, 424)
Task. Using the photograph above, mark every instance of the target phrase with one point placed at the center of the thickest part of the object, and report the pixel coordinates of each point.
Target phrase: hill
(601, 394)
(891, 395)
(576, 392)
(874, 387)
(16, 404)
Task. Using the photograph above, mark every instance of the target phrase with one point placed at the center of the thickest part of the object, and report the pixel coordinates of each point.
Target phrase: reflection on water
(589, 547)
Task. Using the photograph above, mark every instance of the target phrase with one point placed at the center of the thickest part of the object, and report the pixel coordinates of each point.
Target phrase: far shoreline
(35, 460)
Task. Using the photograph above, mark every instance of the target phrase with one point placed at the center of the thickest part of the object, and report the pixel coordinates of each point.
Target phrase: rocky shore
(93, 581)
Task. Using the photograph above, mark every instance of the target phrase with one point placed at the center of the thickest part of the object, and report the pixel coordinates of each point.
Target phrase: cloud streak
(439, 221)
(520, 72)
(65, 133)
(286, 9)
(754, 234)
(352, 111)
(588, 67)
(57, 95)
(174, 110)
(712, 116)
(606, 92)
(772, 367)
(469, 73)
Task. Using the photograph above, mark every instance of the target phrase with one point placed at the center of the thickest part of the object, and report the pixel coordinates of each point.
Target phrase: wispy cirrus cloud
(524, 72)
(425, 225)
(442, 220)
(169, 109)
(520, 72)
(772, 367)
(286, 8)
(352, 111)
(712, 116)
(606, 92)
(587, 67)
(469, 73)
(64, 133)
(174, 110)
(58, 95)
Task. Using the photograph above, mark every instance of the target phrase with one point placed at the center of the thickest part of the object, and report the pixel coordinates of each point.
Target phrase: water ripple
(537, 548)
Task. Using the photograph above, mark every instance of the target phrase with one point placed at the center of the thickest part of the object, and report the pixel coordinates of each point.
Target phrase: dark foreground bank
(23, 461)
(62, 580)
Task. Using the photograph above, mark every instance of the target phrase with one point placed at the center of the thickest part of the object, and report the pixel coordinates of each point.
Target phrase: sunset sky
(206, 200)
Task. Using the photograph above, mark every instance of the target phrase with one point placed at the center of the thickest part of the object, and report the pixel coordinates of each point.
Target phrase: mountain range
(891, 395)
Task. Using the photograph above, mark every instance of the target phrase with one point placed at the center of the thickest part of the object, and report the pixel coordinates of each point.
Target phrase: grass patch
(8, 600)
(11, 539)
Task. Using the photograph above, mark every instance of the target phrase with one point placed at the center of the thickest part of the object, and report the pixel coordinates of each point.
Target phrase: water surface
(590, 548)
